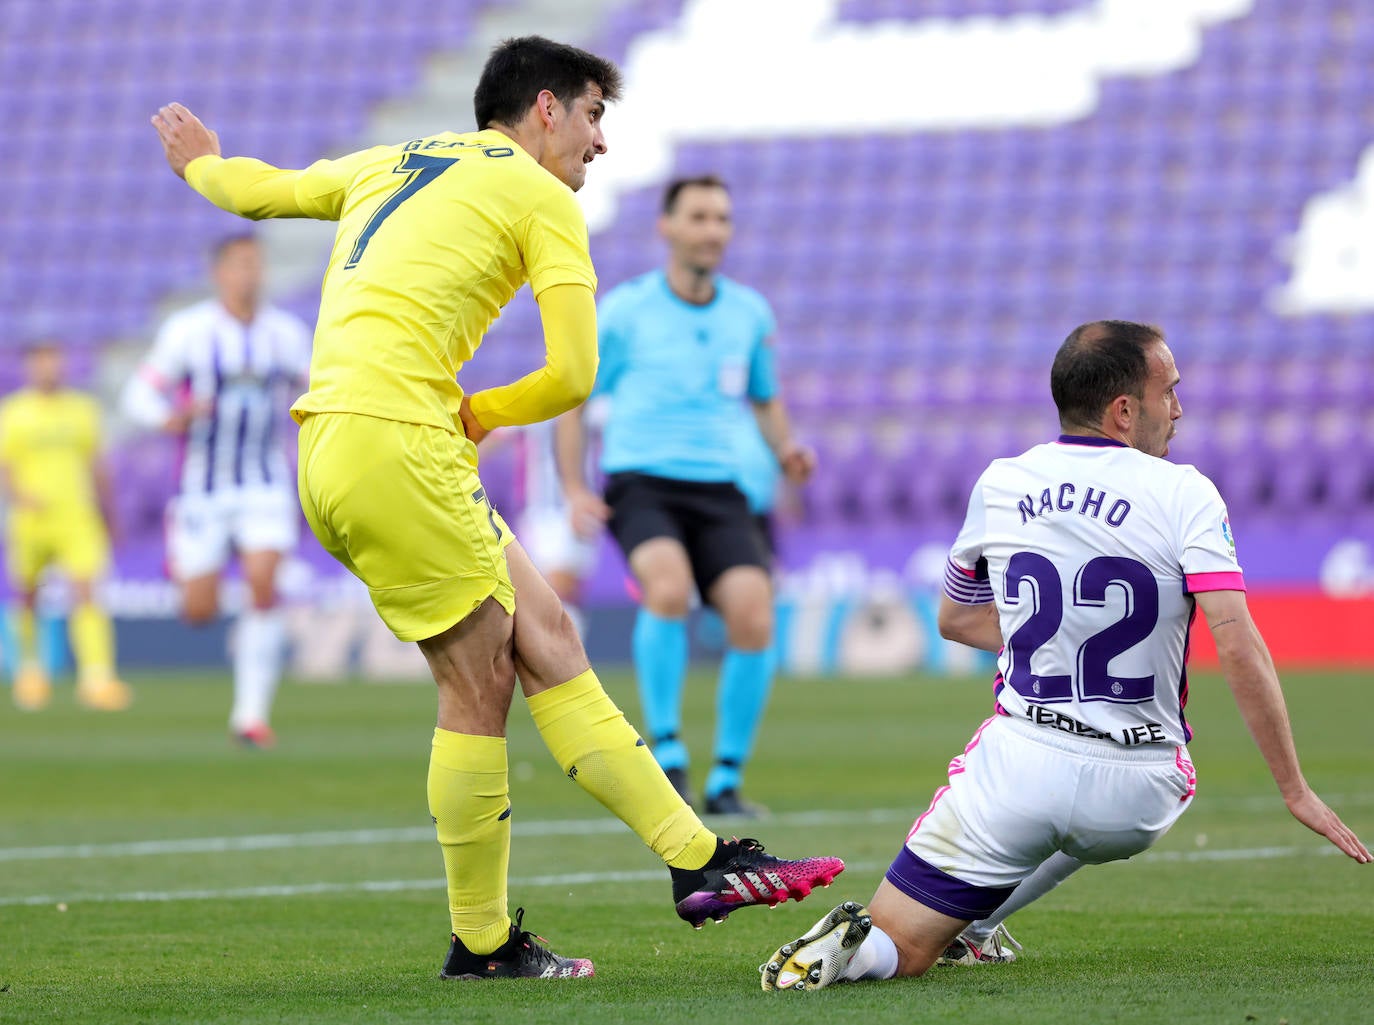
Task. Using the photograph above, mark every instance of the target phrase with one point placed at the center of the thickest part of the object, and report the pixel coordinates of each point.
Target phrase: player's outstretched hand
(588, 513)
(183, 137)
(1312, 812)
(798, 462)
(180, 419)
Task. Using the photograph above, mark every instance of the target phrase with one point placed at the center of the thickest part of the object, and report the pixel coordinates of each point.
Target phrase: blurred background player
(59, 501)
(760, 477)
(681, 348)
(221, 374)
(562, 550)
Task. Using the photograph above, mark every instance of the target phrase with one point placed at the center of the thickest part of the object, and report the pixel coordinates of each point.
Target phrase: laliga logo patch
(1226, 533)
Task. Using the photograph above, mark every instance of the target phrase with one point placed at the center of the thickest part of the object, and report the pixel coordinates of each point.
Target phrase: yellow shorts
(76, 543)
(400, 505)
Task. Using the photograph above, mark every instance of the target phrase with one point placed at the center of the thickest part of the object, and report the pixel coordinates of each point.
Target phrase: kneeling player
(1081, 561)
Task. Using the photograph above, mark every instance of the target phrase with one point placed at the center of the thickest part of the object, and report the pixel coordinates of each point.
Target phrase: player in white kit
(563, 551)
(1083, 562)
(221, 375)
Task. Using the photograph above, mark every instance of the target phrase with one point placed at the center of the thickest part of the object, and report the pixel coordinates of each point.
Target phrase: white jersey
(247, 376)
(540, 487)
(539, 484)
(1092, 552)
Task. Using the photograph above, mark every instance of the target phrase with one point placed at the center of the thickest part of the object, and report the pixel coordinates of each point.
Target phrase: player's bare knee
(199, 610)
(750, 628)
(263, 597)
(668, 597)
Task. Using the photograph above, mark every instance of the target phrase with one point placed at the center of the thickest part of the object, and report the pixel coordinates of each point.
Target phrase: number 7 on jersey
(421, 170)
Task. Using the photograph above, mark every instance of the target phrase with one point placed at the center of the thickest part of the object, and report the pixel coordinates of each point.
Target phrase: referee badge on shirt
(732, 379)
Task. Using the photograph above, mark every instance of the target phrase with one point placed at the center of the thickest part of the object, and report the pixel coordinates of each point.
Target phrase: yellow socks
(92, 638)
(469, 798)
(598, 749)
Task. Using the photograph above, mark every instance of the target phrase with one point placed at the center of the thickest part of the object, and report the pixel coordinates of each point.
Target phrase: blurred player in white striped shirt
(562, 550)
(221, 375)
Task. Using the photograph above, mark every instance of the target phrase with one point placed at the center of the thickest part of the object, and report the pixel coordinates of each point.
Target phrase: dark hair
(675, 187)
(1097, 363)
(228, 242)
(519, 69)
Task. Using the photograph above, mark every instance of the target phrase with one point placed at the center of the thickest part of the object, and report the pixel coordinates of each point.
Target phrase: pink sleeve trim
(970, 573)
(1198, 582)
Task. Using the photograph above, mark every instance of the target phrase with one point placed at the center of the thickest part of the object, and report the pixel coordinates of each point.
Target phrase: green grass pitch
(310, 888)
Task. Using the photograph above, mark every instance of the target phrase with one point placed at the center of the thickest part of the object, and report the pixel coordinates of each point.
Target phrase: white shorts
(202, 529)
(553, 546)
(1020, 792)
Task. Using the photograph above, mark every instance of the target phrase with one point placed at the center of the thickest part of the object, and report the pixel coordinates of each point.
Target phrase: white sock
(876, 958)
(259, 646)
(1052, 871)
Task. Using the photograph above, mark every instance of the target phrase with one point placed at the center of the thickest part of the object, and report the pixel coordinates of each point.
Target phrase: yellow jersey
(435, 237)
(49, 442)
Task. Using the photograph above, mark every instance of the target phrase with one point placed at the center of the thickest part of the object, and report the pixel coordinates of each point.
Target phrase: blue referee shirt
(759, 472)
(677, 373)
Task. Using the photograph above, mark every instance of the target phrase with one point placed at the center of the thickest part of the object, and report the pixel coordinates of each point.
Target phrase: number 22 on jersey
(1032, 577)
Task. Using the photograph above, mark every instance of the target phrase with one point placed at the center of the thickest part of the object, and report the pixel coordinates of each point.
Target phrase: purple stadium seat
(922, 280)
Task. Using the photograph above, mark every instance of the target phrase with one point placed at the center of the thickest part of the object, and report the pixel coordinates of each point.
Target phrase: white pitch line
(564, 879)
(406, 834)
(1259, 803)
(1240, 854)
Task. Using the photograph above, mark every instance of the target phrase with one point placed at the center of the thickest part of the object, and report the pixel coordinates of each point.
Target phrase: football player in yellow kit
(435, 236)
(56, 486)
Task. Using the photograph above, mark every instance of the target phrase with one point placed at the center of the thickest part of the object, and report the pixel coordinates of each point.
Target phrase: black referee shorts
(711, 520)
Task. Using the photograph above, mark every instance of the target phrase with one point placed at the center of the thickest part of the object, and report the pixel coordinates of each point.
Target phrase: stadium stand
(920, 279)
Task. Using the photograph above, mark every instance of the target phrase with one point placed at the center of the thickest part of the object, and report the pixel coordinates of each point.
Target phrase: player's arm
(7, 493)
(244, 185)
(146, 403)
(1250, 673)
(102, 482)
(150, 399)
(105, 494)
(10, 450)
(568, 314)
(968, 608)
(585, 507)
(974, 625)
(798, 461)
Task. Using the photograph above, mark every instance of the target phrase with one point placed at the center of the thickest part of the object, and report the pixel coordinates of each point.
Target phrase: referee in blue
(681, 349)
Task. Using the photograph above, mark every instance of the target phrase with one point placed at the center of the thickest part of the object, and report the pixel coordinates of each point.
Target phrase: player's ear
(1122, 412)
(546, 103)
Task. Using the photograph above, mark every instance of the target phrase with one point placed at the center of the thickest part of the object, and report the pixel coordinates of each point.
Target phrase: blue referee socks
(660, 656)
(746, 677)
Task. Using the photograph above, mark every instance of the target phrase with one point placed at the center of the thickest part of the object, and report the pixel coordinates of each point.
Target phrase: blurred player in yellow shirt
(55, 486)
(435, 237)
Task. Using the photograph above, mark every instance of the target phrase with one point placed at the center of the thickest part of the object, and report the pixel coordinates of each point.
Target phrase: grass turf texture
(1166, 938)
